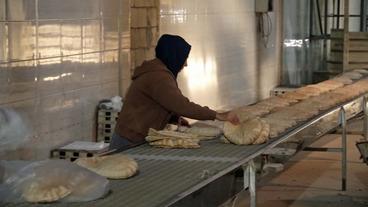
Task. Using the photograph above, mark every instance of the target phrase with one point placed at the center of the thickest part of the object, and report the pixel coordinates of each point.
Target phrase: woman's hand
(183, 122)
(229, 116)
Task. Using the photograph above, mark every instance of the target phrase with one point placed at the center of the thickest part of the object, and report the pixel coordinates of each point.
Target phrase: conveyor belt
(168, 175)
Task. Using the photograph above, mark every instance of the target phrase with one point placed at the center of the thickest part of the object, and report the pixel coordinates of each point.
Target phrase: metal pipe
(333, 12)
(246, 174)
(319, 17)
(252, 183)
(343, 144)
(120, 92)
(338, 14)
(363, 13)
(326, 22)
(311, 6)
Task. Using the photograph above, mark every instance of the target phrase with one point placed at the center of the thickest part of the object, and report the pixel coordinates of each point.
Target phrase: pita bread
(310, 90)
(170, 134)
(40, 192)
(278, 125)
(203, 131)
(251, 111)
(264, 135)
(115, 166)
(294, 95)
(361, 71)
(344, 80)
(176, 143)
(329, 85)
(352, 75)
(244, 133)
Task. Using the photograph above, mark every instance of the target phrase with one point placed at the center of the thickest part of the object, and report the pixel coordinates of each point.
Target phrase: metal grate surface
(157, 183)
(167, 175)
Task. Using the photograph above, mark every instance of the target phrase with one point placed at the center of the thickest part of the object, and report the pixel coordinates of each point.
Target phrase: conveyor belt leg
(250, 181)
(342, 120)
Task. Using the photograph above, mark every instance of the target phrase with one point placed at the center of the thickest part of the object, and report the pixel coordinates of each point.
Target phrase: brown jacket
(152, 99)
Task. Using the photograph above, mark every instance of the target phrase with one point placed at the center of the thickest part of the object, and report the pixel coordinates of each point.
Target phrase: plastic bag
(67, 181)
(13, 129)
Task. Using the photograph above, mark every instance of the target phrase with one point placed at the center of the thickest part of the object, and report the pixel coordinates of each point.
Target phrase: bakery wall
(58, 59)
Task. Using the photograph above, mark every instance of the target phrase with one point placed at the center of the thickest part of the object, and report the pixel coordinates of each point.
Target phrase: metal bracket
(342, 121)
(249, 171)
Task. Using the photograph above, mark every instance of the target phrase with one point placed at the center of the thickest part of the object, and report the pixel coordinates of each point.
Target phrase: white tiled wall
(55, 66)
(228, 65)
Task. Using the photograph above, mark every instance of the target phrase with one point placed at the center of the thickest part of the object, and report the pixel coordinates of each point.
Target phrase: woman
(154, 99)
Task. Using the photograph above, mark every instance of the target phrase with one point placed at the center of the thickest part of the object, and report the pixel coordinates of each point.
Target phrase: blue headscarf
(173, 51)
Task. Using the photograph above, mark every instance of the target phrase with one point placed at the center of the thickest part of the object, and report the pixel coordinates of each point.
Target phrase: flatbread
(40, 192)
(244, 133)
(294, 95)
(264, 135)
(115, 166)
(176, 143)
(203, 131)
(344, 80)
(170, 134)
(352, 75)
(361, 71)
(310, 90)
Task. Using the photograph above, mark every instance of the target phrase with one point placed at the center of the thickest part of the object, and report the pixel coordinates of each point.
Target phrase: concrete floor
(313, 179)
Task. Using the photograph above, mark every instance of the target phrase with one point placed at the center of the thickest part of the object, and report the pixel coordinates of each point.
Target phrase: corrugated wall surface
(229, 64)
(57, 60)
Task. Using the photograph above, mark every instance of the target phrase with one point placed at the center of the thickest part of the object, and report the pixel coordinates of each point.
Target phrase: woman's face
(185, 64)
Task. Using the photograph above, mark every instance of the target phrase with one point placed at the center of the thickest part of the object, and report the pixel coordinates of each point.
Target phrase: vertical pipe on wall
(7, 31)
(119, 50)
(333, 13)
(311, 9)
(279, 37)
(325, 20)
(363, 16)
(325, 35)
(346, 36)
(338, 14)
(38, 55)
(319, 17)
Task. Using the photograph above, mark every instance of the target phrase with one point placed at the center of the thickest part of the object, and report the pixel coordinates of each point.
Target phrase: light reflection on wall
(296, 43)
(201, 73)
(200, 77)
(178, 15)
(52, 78)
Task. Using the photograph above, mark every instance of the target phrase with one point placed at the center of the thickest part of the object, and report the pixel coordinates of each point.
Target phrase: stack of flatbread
(202, 130)
(253, 131)
(172, 139)
(117, 166)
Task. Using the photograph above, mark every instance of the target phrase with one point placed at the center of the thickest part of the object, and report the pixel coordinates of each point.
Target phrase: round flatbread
(204, 131)
(176, 143)
(40, 192)
(244, 133)
(115, 166)
(264, 135)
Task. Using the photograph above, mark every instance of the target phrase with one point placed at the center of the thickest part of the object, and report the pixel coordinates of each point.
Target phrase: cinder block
(152, 17)
(139, 17)
(143, 3)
